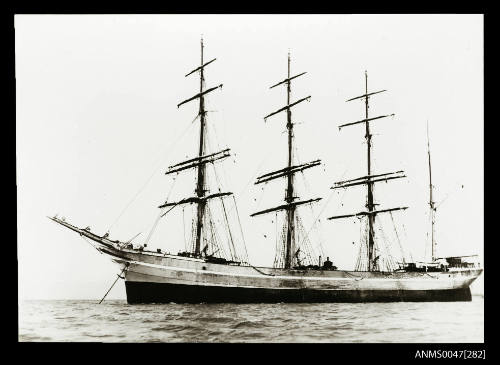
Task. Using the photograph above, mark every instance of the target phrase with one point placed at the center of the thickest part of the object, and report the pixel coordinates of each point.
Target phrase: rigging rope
(160, 215)
(405, 235)
(153, 228)
(90, 243)
(276, 247)
(317, 217)
(354, 276)
(232, 248)
(118, 277)
(389, 260)
(309, 251)
(241, 229)
(397, 237)
(229, 230)
(361, 262)
(215, 236)
(427, 241)
(252, 177)
(184, 228)
(193, 233)
(434, 277)
(256, 269)
(167, 154)
(234, 254)
(197, 115)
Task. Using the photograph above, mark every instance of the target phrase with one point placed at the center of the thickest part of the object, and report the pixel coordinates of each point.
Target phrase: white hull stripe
(439, 277)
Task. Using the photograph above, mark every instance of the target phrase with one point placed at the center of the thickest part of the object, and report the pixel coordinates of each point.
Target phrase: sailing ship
(202, 273)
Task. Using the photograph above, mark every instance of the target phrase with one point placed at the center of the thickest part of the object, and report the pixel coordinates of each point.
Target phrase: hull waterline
(150, 292)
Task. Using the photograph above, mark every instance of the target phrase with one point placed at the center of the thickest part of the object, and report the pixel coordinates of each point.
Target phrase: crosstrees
(199, 68)
(200, 94)
(288, 172)
(287, 107)
(369, 179)
(194, 199)
(373, 212)
(285, 206)
(195, 162)
(365, 95)
(365, 120)
(224, 152)
(289, 79)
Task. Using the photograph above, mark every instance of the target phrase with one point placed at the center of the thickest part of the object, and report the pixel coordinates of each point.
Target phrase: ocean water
(116, 321)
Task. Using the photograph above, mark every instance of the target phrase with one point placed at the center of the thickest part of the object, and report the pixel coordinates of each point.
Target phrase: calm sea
(116, 321)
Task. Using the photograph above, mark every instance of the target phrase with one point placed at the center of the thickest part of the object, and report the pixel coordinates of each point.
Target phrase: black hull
(143, 292)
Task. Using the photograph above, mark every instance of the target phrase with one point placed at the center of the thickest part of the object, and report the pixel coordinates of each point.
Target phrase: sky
(97, 125)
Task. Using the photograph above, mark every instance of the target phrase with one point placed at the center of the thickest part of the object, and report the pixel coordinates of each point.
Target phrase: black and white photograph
(250, 178)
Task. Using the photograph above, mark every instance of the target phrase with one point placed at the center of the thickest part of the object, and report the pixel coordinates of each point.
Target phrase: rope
(118, 277)
(316, 219)
(241, 228)
(90, 243)
(309, 251)
(406, 235)
(177, 140)
(389, 260)
(399, 241)
(232, 248)
(276, 244)
(160, 215)
(184, 228)
(266, 157)
(197, 115)
(234, 253)
(261, 272)
(153, 228)
(354, 276)
(434, 277)
(429, 217)
(215, 236)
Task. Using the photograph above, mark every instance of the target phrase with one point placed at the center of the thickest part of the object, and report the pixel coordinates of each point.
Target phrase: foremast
(370, 179)
(288, 172)
(199, 162)
(200, 186)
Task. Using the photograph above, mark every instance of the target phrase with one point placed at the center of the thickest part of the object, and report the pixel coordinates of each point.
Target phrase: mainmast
(199, 162)
(431, 201)
(289, 171)
(369, 179)
(290, 233)
(200, 186)
(369, 185)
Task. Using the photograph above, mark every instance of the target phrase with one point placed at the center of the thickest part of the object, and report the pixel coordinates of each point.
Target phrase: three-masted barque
(201, 274)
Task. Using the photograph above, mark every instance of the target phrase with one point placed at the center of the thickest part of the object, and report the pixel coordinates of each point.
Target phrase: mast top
(428, 144)
(201, 49)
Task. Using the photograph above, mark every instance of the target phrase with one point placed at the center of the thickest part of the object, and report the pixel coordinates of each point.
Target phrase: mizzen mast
(369, 179)
(201, 160)
(431, 201)
(288, 172)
